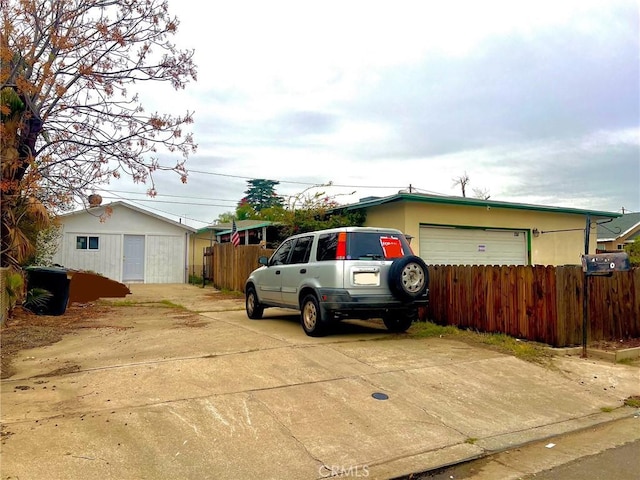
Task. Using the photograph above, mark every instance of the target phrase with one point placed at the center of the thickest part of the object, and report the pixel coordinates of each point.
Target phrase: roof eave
(479, 203)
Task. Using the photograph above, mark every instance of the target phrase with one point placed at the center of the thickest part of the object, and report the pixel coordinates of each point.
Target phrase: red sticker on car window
(391, 247)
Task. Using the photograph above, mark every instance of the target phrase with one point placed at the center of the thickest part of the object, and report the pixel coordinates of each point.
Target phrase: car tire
(408, 277)
(399, 322)
(312, 318)
(252, 305)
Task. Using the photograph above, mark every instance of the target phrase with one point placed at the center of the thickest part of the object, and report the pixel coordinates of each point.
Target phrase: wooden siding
(535, 302)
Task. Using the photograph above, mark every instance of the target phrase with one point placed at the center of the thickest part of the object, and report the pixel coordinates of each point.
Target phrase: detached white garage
(473, 246)
(125, 243)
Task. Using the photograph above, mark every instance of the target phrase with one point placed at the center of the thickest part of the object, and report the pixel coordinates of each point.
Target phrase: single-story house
(449, 230)
(251, 232)
(125, 243)
(621, 231)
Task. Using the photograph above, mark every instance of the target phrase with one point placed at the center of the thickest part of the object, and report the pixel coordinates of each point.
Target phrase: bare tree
(70, 115)
(463, 181)
(482, 193)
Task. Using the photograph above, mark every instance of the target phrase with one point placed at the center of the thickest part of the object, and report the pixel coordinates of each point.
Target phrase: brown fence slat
(231, 266)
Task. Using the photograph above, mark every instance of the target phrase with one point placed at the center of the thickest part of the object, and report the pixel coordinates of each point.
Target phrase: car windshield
(376, 246)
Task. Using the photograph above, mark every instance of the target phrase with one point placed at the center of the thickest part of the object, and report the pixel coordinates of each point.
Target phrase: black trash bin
(55, 280)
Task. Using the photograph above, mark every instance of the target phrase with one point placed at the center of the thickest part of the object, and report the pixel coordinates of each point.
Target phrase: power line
(309, 184)
(154, 200)
(169, 195)
(206, 222)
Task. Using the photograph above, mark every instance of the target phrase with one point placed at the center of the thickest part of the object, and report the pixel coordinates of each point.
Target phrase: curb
(510, 441)
(614, 356)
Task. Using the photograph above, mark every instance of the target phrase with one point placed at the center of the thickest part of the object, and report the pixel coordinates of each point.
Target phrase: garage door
(471, 246)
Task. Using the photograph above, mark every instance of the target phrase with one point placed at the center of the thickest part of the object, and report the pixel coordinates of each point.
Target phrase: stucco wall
(559, 248)
(198, 242)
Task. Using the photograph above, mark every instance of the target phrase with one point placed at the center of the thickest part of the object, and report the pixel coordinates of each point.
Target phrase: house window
(84, 242)
(620, 247)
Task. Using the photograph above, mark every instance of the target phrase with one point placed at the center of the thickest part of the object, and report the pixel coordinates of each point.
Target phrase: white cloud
(536, 101)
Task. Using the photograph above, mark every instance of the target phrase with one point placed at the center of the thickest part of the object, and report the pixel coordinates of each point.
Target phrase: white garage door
(470, 246)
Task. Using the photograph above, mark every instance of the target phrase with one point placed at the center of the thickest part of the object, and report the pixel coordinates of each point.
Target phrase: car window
(279, 257)
(301, 250)
(327, 247)
(365, 245)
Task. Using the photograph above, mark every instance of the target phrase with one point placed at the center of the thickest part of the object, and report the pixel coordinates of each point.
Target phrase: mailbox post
(599, 265)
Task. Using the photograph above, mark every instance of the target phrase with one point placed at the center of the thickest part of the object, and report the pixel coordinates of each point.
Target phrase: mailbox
(605, 263)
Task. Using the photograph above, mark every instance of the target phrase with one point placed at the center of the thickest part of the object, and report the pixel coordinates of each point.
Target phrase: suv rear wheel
(408, 277)
(313, 322)
(254, 309)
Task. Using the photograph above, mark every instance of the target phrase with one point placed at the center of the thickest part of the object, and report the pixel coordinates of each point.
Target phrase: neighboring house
(125, 243)
(252, 232)
(621, 231)
(468, 231)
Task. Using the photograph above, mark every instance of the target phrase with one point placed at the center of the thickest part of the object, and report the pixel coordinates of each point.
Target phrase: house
(449, 230)
(251, 232)
(621, 231)
(125, 243)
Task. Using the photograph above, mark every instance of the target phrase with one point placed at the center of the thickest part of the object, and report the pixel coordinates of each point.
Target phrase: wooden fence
(535, 302)
(229, 267)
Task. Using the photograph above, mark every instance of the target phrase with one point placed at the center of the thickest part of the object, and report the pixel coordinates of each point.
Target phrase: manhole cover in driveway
(380, 396)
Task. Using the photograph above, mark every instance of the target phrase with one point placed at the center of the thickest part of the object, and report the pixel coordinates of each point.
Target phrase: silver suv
(348, 272)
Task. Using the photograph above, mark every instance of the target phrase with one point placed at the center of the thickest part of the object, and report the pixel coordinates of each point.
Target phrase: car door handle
(277, 272)
(303, 270)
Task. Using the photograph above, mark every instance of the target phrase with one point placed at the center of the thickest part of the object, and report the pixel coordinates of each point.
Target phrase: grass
(524, 350)
(121, 303)
(633, 401)
(169, 303)
(471, 440)
(627, 361)
(132, 303)
(607, 409)
(232, 293)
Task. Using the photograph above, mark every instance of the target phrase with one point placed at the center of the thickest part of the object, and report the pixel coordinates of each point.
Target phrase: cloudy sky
(537, 101)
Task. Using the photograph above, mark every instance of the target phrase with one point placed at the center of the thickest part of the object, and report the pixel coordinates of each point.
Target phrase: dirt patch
(61, 371)
(219, 295)
(188, 320)
(614, 345)
(25, 330)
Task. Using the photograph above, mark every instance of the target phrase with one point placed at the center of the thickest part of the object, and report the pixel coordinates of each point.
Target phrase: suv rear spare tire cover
(408, 277)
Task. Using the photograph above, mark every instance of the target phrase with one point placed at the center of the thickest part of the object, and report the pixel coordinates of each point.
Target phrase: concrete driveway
(163, 393)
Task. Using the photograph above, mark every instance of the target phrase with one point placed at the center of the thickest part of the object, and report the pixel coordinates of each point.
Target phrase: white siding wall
(165, 244)
(105, 261)
(165, 259)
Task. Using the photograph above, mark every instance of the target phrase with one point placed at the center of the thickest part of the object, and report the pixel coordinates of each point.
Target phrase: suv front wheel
(254, 309)
(313, 322)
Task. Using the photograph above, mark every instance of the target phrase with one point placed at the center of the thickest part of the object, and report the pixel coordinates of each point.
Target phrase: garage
(444, 245)
(125, 243)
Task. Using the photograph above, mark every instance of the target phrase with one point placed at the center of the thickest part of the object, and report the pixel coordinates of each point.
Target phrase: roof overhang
(474, 202)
